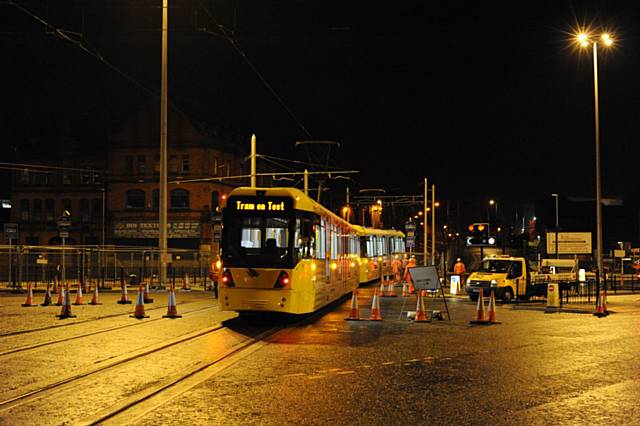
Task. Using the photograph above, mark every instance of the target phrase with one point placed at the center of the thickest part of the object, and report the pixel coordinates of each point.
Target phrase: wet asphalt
(532, 368)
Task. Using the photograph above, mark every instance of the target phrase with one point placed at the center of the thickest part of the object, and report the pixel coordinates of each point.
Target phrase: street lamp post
(585, 40)
(556, 197)
(163, 202)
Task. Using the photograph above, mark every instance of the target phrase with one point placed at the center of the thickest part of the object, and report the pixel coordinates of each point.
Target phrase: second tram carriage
(284, 252)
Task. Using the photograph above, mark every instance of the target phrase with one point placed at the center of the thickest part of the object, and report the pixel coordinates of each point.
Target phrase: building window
(215, 201)
(97, 178)
(156, 199)
(185, 164)
(96, 208)
(39, 179)
(142, 165)
(156, 164)
(135, 199)
(173, 164)
(84, 210)
(37, 210)
(179, 199)
(66, 179)
(128, 165)
(24, 210)
(25, 177)
(66, 205)
(85, 178)
(49, 210)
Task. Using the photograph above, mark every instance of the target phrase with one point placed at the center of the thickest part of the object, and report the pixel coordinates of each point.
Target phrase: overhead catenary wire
(230, 37)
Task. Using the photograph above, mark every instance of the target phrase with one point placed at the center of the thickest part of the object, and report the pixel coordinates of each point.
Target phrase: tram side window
(304, 238)
(320, 240)
(334, 242)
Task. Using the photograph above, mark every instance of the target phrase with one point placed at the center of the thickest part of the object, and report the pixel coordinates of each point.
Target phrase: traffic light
(479, 235)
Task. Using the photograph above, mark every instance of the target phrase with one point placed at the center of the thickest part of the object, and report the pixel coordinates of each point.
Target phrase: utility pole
(162, 239)
(425, 227)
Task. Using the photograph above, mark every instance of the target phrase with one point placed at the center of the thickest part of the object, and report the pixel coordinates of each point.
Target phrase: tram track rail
(143, 402)
(51, 327)
(154, 395)
(58, 385)
(93, 333)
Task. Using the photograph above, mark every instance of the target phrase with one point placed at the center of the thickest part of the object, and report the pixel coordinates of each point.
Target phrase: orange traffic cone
(404, 290)
(381, 289)
(185, 283)
(375, 308)
(29, 301)
(66, 305)
(79, 300)
(146, 297)
(390, 290)
(172, 311)
(421, 313)
(47, 297)
(139, 309)
(124, 299)
(492, 310)
(60, 301)
(94, 299)
(601, 306)
(480, 312)
(354, 315)
(604, 301)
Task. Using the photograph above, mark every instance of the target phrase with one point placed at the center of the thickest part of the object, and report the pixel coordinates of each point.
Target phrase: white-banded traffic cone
(185, 283)
(66, 306)
(47, 297)
(421, 313)
(29, 302)
(138, 312)
(60, 300)
(391, 292)
(79, 300)
(124, 299)
(172, 310)
(375, 308)
(147, 298)
(354, 314)
(94, 299)
(481, 317)
(492, 310)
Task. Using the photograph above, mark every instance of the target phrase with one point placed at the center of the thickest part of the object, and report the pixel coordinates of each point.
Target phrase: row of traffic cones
(354, 314)
(64, 300)
(483, 317)
(376, 315)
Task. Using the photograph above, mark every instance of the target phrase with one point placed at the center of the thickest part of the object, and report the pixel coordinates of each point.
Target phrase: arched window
(135, 199)
(179, 199)
(215, 200)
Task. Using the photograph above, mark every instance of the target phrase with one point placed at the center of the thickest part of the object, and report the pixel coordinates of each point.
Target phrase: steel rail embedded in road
(51, 327)
(234, 355)
(93, 333)
(40, 392)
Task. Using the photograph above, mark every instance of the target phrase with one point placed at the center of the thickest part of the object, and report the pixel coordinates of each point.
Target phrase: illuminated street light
(585, 40)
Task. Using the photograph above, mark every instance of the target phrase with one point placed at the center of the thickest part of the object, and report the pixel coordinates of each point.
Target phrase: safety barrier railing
(110, 265)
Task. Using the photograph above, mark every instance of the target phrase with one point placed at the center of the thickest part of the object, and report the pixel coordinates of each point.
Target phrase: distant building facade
(114, 195)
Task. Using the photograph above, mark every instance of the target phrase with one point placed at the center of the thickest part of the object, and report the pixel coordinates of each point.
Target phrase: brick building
(124, 179)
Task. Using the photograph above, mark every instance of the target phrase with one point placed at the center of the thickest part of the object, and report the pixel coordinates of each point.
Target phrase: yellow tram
(284, 252)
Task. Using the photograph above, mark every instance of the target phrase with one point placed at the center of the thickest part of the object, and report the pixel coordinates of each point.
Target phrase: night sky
(486, 99)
